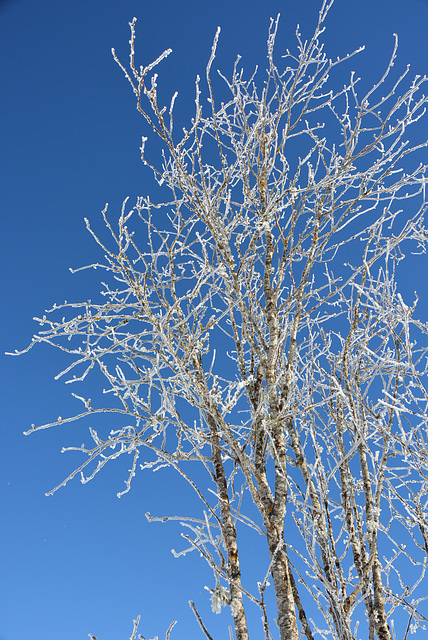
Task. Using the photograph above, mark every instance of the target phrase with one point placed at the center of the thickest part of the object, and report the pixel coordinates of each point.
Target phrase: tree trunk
(287, 621)
(229, 535)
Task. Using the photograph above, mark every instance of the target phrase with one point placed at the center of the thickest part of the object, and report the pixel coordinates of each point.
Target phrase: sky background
(83, 561)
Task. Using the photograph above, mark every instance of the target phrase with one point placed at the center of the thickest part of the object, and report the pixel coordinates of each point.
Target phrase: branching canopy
(251, 329)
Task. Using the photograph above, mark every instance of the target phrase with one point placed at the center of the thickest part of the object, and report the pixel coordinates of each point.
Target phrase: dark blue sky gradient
(83, 561)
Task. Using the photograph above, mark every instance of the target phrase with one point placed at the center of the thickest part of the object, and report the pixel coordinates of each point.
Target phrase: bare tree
(252, 330)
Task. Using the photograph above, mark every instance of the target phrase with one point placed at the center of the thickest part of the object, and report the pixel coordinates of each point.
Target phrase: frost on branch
(134, 635)
(252, 335)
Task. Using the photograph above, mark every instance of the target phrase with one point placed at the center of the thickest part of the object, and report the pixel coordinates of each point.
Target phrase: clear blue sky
(83, 561)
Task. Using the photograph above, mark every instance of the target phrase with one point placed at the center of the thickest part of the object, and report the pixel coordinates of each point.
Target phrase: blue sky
(83, 561)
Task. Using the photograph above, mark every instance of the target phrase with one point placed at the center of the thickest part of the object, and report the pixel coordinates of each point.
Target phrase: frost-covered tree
(253, 336)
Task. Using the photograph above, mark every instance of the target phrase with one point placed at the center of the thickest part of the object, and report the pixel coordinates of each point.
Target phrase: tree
(285, 386)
